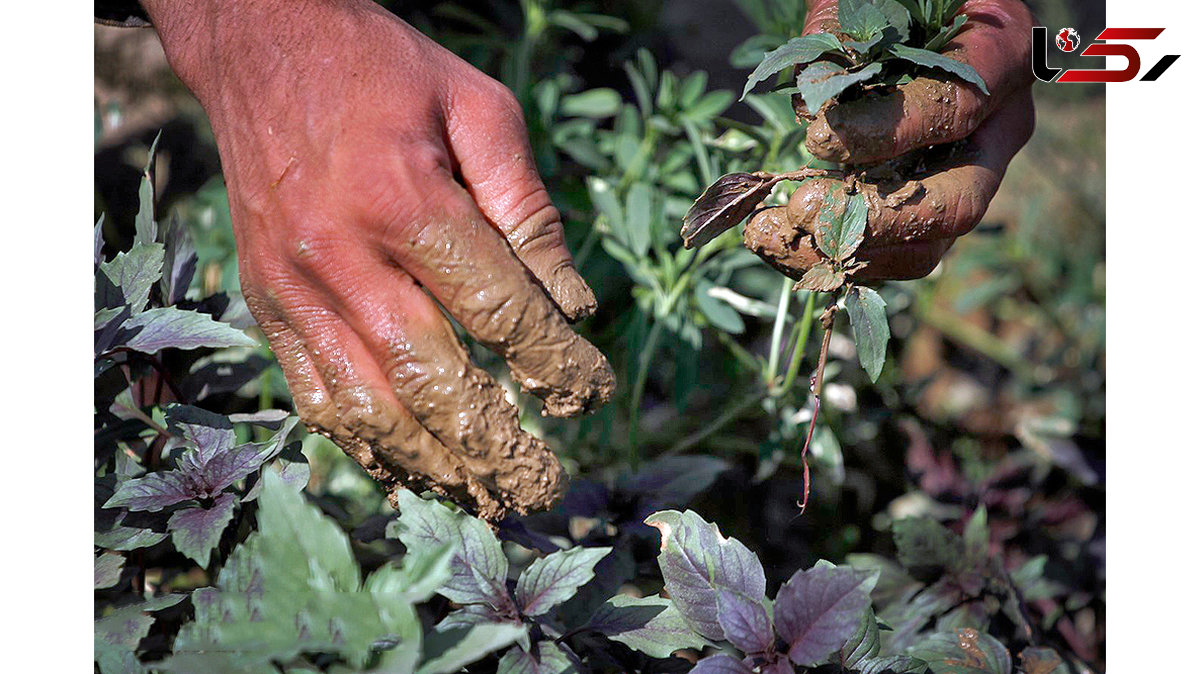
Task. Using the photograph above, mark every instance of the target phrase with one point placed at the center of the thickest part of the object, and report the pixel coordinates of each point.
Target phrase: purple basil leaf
(222, 377)
(224, 469)
(696, 561)
(171, 328)
(779, 666)
(478, 567)
(745, 622)
(179, 261)
(469, 616)
(721, 664)
(550, 658)
(651, 625)
(817, 610)
(672, 480)
(723, 205)
(555, 578)
(112, 331)
(155, 491)
(196, 531)
(514, 530)
(210, 434)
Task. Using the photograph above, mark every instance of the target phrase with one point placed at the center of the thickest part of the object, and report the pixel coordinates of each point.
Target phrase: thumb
(490, 146)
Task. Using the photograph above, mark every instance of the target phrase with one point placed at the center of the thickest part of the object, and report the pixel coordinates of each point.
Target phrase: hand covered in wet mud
(918, 202)
(372, 176)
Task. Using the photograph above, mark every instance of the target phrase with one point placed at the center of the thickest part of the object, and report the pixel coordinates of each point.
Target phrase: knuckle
(401, 188)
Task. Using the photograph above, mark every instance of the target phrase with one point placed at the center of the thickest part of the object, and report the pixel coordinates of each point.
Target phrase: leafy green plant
(880, 42)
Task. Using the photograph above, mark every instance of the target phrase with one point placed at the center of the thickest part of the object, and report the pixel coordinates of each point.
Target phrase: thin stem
(639, 387)
(727, 417)
(818, 380)
(799, 340)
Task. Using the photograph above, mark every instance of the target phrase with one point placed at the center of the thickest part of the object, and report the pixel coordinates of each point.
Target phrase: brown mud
(910, 222)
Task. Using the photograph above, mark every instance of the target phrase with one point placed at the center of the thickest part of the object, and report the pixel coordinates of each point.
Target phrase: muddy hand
(918, 208)
(372, 176)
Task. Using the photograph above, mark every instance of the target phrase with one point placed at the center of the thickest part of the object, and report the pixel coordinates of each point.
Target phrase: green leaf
(713, 104)
(108, 570)
(146, 228)
(965, 651)
(479, 641)
(478, 567)
(861, 19)
(839, 234)
(862, 645)
(293, 586)
(555, 578)
(171, 328)
(796, 51)
(418, 577)
(921, 542)
(651, 625)
(595, 103)
(938, 42)
(868, 319)
(892, 664)
(822, 278)
(134, 272)
(823, 80)
(976, 537)
(718, 312)
(638, 217)
(929, 59)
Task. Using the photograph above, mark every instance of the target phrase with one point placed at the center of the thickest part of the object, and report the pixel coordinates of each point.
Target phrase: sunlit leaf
(723, 205)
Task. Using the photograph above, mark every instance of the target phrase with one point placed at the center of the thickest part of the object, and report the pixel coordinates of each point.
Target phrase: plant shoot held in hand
(870, 49)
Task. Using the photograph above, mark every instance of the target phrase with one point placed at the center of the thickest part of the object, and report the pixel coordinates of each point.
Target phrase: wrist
(213, 45)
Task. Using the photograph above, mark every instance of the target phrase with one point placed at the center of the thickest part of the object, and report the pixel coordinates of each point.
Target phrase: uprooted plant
(879, 44)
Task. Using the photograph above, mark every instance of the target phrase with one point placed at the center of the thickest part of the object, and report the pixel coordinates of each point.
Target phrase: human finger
(352, 407)
(422, 362)
(490, 146)
(451, 250)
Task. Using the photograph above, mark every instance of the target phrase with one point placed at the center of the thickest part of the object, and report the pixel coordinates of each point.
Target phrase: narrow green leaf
(718, 312)
(868, 319)
(638, 217)
(594, 103)
(146, 228)
(929, 59)
(798, 50)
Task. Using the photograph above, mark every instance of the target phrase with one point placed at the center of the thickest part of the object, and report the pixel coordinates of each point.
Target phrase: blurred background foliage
(994, 389)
